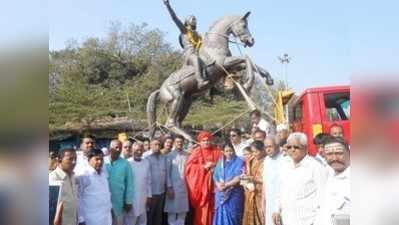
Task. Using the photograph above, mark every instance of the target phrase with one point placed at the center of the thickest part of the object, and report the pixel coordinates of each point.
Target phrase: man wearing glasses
(302, 186)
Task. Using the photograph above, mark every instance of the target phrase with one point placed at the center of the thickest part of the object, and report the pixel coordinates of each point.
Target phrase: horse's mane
(229, 17)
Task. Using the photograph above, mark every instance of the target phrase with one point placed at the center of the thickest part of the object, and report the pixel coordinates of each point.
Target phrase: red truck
(316, 109)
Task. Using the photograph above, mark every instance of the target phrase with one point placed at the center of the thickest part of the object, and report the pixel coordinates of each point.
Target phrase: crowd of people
(267, 178)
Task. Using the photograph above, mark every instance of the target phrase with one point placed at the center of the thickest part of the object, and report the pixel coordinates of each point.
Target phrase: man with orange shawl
(199, 171)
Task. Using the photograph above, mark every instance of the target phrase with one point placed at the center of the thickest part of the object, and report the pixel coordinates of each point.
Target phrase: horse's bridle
(227, 36)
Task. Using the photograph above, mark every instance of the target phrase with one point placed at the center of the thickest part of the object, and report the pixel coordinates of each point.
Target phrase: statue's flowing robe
(200, 184)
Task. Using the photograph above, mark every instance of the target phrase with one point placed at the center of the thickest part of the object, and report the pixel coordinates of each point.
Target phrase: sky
(327, 41)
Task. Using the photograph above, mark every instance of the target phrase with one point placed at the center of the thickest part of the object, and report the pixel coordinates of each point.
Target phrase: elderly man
(302, 186)
(282, 134)
(177, 198)
(142, 186)
(64, 176)
(271, 176)
(157, 163)
(120, 182)
(94, 194)
(237, 142)
(126, 149)
(337, 195)
(198, 173)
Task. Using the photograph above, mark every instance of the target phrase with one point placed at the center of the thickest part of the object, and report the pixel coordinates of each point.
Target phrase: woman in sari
(253, 210)
(229, 197)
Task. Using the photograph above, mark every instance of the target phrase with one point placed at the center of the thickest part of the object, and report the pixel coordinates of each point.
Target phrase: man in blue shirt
(120, 180)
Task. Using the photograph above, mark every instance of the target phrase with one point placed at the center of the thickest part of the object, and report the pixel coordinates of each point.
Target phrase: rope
(162, 128)
(231, 121)
(267, 88)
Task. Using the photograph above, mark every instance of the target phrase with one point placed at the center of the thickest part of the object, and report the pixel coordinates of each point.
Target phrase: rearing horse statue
(177, 90)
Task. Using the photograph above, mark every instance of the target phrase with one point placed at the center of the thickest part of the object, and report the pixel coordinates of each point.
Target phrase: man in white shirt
(271, 176)
(176, 204)
(261, 123)
(302, 186)
(93, 192)
(337, 195)
(237, 142)
(87, 144)
(142, 185)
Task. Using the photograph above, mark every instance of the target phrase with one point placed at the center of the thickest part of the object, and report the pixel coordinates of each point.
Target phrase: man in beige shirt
(63, 175)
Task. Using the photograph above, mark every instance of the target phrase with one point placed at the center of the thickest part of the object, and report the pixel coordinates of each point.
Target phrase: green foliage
(95, 79)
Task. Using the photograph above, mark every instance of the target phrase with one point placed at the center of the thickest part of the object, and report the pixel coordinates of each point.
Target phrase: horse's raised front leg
(238, 64)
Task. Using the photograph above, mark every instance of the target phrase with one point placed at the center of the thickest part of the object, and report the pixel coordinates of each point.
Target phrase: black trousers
(155, 213)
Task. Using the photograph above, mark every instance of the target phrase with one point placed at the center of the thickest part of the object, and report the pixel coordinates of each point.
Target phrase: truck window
(298, 112)
(337, 106)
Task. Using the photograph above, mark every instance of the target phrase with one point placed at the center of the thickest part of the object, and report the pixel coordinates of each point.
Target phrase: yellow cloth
(122, 137)
(282, 99)
(194, 38)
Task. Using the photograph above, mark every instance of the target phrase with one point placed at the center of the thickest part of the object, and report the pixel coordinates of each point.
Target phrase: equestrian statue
(205, 62)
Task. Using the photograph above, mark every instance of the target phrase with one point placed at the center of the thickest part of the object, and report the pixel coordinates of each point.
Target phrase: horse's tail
(152, 112)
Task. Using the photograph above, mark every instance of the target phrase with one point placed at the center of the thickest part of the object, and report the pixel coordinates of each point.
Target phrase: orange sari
(200, 185)
(253, 210)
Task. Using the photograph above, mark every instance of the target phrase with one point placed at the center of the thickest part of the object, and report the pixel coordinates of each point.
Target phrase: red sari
(200, 183)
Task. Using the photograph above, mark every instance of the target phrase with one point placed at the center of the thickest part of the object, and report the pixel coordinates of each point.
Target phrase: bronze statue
(177, 90)
(190, 41)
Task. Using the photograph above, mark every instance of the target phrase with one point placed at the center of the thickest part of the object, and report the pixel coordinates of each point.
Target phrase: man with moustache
(64, 175)
(337, 199)
(87, 143)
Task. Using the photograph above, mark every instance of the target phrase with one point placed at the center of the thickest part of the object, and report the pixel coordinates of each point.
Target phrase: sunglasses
(293, 146)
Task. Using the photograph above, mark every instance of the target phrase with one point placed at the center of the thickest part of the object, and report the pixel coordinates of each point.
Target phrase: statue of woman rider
(190, 41)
